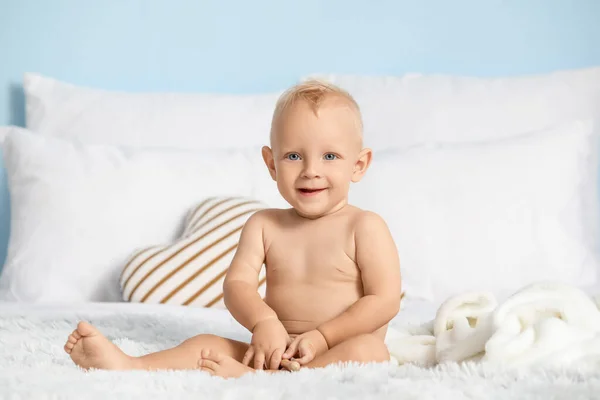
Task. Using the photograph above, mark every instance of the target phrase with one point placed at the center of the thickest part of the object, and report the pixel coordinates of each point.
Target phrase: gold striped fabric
(191, 270)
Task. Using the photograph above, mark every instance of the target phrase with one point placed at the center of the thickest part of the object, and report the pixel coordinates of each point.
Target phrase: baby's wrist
(262, 321)
(325, 342)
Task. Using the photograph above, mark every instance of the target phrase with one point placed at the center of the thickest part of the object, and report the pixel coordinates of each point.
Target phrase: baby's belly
(302, 307)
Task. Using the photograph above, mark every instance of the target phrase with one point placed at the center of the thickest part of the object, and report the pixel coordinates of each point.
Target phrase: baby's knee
(369, 348)
(202, 340)
(197, 343)
(215, 343)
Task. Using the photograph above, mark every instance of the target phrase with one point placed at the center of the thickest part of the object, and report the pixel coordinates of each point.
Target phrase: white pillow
(5, 129)
(491, 216)
(190, 121)
(4, 200)
(400, 111)
(80, 211)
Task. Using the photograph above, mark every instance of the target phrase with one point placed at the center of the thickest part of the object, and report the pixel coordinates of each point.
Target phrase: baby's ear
(362, 164)
(267, 154)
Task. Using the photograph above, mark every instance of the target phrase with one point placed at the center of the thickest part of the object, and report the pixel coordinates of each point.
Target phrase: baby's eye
(330, 156)
(293, 156)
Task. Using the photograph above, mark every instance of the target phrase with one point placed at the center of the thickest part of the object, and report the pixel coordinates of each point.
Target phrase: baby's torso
(312, 275)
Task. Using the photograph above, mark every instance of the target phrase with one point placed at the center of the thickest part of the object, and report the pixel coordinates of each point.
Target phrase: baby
(333, 273)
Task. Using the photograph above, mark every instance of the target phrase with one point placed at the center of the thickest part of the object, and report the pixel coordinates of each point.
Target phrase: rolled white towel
(463, 325)
(543, 322)
(414, 344)
(417, 349)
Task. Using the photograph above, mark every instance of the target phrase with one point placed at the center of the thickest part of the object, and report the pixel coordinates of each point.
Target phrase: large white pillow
(4, 131)
(492, 216)
(180, 120)
(4, 200)
(400, 111)
(80, 211)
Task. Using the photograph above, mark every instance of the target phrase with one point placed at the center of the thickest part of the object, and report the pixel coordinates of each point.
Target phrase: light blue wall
(260, 45)
(221, 45)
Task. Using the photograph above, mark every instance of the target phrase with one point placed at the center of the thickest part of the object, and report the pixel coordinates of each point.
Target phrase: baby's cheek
(343, 175)
(286, 189)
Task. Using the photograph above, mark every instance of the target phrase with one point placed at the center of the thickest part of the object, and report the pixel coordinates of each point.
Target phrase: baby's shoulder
(367, 221)
(267, 216)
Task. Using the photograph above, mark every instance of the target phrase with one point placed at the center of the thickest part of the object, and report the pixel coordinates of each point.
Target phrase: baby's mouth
(308, 191)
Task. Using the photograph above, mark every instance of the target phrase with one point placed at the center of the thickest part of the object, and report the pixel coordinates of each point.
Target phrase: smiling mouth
(309, 192)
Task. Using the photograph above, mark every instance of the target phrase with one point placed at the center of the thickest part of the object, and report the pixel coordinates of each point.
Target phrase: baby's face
(315, 157)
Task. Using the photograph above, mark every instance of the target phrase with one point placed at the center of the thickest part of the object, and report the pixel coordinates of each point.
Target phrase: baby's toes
(204, 353)
(207, 365)
(69, 347)
(208, 354)
(71, 341)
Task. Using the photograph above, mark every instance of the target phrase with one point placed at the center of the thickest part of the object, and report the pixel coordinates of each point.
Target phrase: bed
(34, 365)
(92, 191)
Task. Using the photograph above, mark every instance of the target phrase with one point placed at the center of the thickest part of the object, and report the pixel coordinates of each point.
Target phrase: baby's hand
(269, 340)
(306, 347)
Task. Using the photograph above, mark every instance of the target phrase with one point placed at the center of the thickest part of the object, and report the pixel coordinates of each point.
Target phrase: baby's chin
(309, 214)
(316, 210)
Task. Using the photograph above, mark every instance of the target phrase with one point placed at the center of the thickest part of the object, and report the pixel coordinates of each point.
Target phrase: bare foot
(221, 365)
(88, 348)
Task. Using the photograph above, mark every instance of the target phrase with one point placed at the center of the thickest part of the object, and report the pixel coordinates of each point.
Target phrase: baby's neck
(342, 206)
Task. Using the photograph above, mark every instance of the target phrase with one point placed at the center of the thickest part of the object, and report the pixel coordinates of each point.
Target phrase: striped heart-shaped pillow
(191, 270)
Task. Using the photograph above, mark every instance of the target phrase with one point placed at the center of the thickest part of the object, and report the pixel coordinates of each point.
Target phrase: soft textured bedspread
(34, 365)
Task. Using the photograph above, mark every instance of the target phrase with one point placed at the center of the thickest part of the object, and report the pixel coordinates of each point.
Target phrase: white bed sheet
(33, 363)
(412, 312)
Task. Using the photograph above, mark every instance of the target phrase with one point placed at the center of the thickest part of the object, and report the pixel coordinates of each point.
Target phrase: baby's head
(316, 147)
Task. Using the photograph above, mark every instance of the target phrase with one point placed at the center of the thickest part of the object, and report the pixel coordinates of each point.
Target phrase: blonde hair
(314, 92)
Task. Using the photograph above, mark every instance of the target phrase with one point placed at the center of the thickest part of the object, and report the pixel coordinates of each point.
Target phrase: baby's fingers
(259, 360)
(291, 350)
(275, 359)
(248, 356)
(307, 353)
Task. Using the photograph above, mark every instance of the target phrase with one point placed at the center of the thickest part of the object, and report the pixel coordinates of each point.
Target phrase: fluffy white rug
(34, 365)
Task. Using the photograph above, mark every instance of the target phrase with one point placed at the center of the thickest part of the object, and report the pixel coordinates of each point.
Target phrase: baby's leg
(90, 349)
(363, 348)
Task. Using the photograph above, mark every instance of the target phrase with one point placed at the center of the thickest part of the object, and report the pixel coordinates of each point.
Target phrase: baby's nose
(310, 170)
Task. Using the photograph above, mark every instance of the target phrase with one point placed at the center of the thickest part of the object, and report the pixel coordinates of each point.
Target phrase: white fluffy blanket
(34, 365)
(546, 324)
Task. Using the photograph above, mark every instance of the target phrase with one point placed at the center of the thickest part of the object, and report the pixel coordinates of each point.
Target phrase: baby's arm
(377, 258)
(240, 288)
